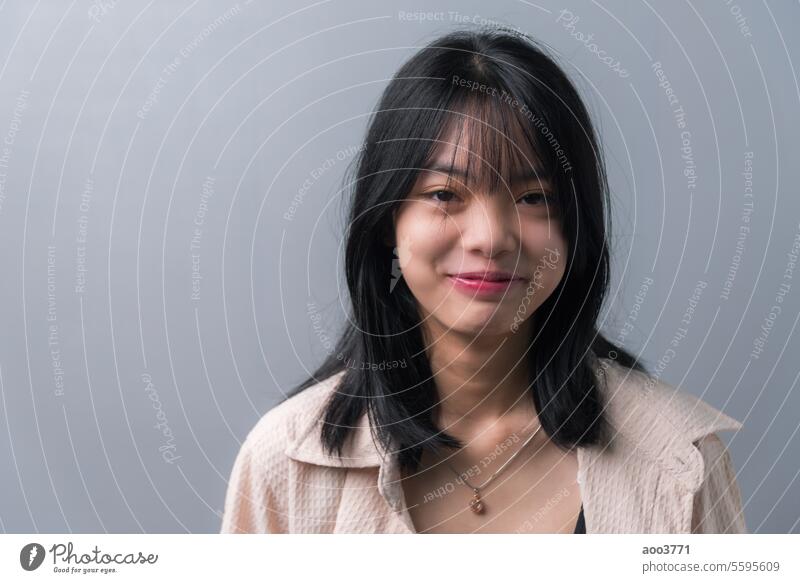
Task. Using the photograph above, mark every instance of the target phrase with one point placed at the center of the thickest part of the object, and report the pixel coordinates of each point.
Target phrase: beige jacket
(666, 471)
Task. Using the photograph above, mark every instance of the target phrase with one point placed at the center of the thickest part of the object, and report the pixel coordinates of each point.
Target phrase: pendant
(476, 504)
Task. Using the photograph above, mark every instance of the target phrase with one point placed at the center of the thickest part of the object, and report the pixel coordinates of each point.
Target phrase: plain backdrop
(171, 216)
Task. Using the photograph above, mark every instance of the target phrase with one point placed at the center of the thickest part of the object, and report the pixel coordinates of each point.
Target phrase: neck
(481, 381)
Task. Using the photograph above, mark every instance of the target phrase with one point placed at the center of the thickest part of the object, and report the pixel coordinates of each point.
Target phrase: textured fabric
(664, 471)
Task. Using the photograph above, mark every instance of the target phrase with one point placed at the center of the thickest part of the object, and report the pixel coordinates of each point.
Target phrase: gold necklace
(476, 504)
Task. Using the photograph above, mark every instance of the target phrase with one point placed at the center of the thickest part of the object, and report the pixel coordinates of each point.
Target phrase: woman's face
(478, 262)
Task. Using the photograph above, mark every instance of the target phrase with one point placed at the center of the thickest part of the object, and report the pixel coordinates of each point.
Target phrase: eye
(536, 198)
(440, 195)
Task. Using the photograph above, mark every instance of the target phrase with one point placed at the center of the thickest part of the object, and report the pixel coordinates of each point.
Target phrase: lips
(485, 283)
(487, 276)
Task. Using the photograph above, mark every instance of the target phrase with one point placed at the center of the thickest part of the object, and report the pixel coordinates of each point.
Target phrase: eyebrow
(525, 175)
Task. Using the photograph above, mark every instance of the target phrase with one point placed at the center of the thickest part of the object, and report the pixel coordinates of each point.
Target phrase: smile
(484, 287)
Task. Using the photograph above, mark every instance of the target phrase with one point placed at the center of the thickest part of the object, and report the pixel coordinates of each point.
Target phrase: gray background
(261, 96)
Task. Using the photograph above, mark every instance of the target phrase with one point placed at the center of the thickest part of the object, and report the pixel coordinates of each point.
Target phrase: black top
(580, 526)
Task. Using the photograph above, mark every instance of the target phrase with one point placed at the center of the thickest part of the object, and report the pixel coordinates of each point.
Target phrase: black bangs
(494, 143)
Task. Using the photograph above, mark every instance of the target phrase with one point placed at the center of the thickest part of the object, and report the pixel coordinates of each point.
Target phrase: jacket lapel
(360, 450)
(646, 478)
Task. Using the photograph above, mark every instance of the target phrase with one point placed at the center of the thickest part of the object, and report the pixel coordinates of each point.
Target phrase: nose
(491, 227)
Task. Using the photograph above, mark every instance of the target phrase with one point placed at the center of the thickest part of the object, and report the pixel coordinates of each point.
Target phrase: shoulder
(641, 405)
(288, 421)
(255, 500)
(670, 427)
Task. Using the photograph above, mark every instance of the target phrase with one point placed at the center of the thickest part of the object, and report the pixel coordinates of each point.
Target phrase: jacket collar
(359, 451)
(641, 410)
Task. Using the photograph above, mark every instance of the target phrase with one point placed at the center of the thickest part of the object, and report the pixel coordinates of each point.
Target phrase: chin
(488, 324)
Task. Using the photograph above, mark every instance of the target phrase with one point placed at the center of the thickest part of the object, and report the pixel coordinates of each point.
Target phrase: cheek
(541, 234)
(423, 240)
(549, 248)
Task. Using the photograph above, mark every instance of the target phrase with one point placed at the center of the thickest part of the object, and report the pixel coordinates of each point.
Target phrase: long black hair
(506, 85)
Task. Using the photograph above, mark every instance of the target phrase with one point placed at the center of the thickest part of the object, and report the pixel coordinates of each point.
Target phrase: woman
(472, 391)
